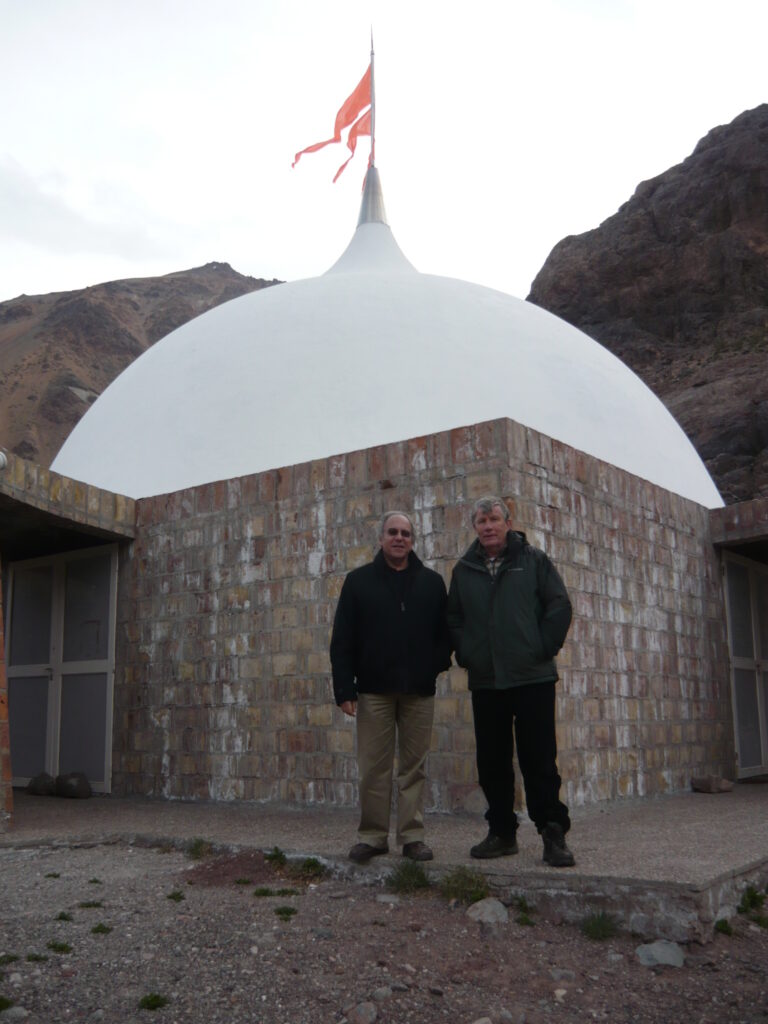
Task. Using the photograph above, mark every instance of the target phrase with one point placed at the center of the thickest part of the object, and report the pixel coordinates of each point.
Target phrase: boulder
(42, 785)
(74, 785)
(661, 953)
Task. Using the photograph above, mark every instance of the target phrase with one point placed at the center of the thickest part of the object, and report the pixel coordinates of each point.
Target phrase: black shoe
(494, 846)
(417, 851)
(556, 852)
(361, 853)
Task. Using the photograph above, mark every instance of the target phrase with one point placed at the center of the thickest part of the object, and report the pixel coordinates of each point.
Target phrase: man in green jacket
(509, 614)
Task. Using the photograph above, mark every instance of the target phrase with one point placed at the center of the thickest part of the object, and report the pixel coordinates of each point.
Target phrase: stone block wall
(739, 524)
(227, 597)
(6, 791)
(79, 505)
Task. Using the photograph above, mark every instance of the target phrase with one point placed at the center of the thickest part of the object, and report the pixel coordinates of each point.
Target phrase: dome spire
(372, 206)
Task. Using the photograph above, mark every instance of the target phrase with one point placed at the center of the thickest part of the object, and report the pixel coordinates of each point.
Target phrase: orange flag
(362, 126)
(349, 110)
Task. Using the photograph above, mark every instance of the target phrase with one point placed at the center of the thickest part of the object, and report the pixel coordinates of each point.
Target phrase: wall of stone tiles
(227, 597)
(739, 524)
(76, 503)
(6, 792)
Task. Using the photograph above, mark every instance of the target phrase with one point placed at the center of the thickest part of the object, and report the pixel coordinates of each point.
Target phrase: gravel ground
(87, 933)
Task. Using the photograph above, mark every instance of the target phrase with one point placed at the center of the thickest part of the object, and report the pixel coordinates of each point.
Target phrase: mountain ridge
(60, 350)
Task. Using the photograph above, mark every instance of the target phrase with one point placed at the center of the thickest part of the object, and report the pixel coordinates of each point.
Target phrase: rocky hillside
(676, 285)
(58, 352)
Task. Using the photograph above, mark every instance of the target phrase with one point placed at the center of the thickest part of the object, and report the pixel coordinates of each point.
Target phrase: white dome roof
(371, 352)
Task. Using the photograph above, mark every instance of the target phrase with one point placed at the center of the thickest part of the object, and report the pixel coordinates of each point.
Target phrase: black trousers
(525, 714)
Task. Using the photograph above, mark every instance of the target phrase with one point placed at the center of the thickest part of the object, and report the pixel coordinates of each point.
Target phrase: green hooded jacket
(507, 629)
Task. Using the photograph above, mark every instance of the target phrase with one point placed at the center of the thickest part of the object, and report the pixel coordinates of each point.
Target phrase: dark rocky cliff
(676, 285)
(58, 352)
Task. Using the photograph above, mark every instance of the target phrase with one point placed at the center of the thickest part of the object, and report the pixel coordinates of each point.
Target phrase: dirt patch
(206, 937)
(249, 868)
(255, 868)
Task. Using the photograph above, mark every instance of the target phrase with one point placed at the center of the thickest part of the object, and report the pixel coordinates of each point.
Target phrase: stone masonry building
(166, 622)
(226, 592)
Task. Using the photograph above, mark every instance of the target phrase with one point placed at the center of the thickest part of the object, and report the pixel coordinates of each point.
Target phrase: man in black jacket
(389, 643)
(509, 614)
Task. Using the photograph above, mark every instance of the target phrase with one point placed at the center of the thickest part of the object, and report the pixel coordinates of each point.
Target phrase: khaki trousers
(379, 716)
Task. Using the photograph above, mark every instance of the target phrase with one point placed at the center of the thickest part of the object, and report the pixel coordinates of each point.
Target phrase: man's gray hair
(487, 504)
(395, 512)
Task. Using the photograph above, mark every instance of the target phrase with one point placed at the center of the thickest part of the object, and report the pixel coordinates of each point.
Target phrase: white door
(60, 662)
(747, 604)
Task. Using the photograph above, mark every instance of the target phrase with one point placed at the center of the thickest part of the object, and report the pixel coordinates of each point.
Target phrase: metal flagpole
(373, 109)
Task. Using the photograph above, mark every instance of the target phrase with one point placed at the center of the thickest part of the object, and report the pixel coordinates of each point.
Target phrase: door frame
(758, 664)
(56, 668)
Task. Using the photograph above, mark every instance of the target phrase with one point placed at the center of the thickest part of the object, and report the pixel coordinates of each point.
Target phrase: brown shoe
(417, 851)
(361, 853)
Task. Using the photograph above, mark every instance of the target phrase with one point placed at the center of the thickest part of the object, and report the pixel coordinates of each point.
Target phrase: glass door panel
(82, 744)
(86, 609)
(762, 614)
(29, 638)
(740, 608)
(28, 717)
(747, 717)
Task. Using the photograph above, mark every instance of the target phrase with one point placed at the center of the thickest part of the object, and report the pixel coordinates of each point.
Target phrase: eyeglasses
(392, 531)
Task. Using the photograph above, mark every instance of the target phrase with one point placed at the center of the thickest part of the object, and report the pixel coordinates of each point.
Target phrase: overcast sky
(141, 137)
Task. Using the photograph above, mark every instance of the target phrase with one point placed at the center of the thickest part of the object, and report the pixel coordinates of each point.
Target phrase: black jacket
(507, 629)
(389, 632)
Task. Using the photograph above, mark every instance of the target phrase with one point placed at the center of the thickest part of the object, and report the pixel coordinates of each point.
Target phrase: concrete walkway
(665, 867)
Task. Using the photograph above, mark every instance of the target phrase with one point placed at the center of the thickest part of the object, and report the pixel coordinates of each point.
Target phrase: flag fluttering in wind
(355, 114)
(362, 126)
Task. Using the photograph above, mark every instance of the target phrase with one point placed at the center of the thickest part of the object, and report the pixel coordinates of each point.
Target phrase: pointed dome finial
(372, 207)
(372, 248)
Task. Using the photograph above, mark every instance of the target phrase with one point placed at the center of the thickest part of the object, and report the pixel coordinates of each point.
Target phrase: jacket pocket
(523, 648)
(475, 656)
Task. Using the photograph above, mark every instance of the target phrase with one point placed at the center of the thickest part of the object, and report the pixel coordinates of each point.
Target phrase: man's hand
(349, 707)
